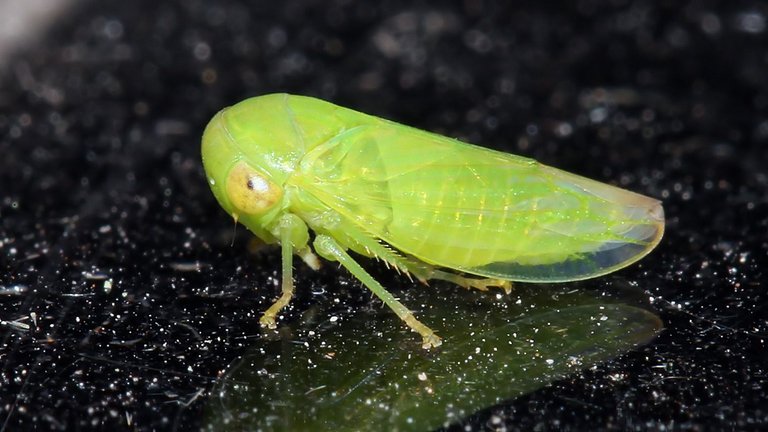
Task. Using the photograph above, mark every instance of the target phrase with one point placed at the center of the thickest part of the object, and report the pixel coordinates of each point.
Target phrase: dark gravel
(122, 301)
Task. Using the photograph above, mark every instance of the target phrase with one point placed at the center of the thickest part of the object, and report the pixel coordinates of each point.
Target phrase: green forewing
(464, 207)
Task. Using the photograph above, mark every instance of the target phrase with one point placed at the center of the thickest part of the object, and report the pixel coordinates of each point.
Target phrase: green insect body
(284, 165)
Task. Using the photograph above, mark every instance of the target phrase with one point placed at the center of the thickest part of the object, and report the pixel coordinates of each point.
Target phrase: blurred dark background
(122, 300)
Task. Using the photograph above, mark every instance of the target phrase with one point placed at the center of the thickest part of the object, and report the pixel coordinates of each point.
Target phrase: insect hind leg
(330, 249)
(422, 270)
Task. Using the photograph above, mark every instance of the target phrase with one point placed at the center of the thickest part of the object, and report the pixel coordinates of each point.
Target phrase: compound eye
(250, 191)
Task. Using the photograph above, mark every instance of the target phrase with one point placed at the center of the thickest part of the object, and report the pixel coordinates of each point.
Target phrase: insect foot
(480, 284)
(484, 284)
(268, 320)
(428, 337)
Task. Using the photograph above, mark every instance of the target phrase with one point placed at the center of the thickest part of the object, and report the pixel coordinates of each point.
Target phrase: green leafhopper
(425, 204)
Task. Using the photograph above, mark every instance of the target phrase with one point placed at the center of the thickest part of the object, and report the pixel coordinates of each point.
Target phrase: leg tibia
(293, 233)
(268, 319)
(329, 249)
(422, 270)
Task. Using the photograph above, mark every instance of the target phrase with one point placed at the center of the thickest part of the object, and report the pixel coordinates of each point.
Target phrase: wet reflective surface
(362, 370)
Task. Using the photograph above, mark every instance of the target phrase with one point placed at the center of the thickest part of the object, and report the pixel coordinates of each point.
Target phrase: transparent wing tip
(656, 213)
(640, 232)
(638, 236)
(644, 232)
(641, 238)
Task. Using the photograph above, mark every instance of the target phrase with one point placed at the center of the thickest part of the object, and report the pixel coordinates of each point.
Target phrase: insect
(426, 205)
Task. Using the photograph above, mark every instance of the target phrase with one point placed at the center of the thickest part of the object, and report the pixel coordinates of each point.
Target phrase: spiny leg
(421, 270)
(329, 249)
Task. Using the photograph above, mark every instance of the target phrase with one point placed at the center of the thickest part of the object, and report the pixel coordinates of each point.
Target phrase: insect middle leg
(330, 249)
(426, 272)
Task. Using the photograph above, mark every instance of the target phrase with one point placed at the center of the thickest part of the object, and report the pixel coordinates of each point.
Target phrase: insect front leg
(292, 232)
(329, 249)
